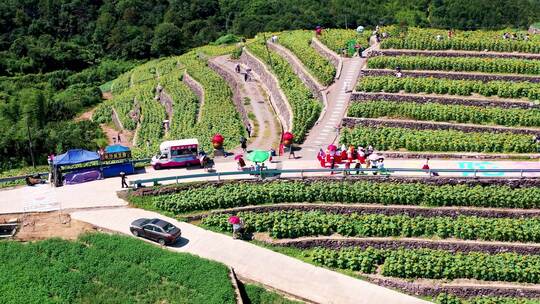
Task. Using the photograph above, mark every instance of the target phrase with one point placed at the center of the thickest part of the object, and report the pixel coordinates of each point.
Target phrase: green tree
(167, 39)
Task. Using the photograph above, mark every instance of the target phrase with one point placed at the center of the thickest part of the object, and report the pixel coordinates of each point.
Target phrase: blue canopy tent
(116, 149)
(74, 157)
(117, 159)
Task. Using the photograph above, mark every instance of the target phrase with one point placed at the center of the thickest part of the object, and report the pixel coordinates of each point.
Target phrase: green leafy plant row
(503, 89)
(468, 64)
(434, 264)
(185, 106)
(336, 39)
(305, 108)
(426, 39)
(450, 113)
(294, 224)
(150, 132)
(211, 196)
(299, 42)
(386, 139)
(451, 299)
(218, 113)
(100, 268)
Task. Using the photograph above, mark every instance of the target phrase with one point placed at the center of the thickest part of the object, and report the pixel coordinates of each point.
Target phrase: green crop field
(99, 268)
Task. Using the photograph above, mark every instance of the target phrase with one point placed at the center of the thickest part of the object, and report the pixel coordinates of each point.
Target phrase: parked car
(157, 230)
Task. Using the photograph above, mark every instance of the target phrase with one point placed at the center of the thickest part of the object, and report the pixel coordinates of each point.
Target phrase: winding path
(266, 127)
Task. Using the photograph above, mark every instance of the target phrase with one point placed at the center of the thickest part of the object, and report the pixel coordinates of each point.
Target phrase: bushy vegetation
(389, 138)
(299, 42)
(434, 264)
(210, 197)
(426, 39)
(44, 104)
(259, 295)
(336, 39)
(294, 224)
(450, 299)
(485, 65)
(450, 113)
(99, 268)
(503, 89)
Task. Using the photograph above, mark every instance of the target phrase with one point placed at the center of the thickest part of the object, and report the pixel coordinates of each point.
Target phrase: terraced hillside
(141, 106)
(199, 103)
(450, 98)
(463, 237)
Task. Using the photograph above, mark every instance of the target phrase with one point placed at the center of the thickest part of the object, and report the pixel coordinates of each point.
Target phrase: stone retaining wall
(492, 248)
(235, 86)
(351, 122)
(451, 75)
(326, 52)
(455, 155)
(452, 54)
(167, 102)
(366, 96)
(198, 89)
(463, 291)
(307, 79)
(413, 211)
(277, 98)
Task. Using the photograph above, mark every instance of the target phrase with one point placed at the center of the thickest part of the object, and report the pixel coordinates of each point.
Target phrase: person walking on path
(237, 68)
(248, 130)
(123, 177)
(237, 225)
(291, 151)
(119, 140)
(426, 167)
(243, 143)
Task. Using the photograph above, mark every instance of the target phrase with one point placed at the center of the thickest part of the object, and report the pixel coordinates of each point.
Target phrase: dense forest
(55, 53)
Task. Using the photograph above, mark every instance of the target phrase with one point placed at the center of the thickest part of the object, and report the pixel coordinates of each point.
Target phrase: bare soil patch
(44, 225)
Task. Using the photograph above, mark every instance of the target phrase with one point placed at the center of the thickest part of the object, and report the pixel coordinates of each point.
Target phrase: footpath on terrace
(255, 263)
(326, 131)
(267, 130)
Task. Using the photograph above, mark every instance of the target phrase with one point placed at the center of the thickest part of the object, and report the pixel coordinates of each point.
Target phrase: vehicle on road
(177, 153)
(157, 230)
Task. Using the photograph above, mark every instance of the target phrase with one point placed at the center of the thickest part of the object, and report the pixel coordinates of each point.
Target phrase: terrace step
(453, 53)
(338, 242)
(454, 75)
(444, 99)
(434, 125)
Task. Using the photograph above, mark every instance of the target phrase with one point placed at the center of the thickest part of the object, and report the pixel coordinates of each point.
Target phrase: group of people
(515, 36)
(247, 73)
(359, 157)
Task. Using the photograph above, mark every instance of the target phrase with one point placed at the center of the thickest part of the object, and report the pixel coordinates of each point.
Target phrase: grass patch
(259, 295)
(106, 87)
(99, 268)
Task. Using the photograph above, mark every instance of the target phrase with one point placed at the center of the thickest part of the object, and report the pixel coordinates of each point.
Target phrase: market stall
(75, 175)
(116, 159)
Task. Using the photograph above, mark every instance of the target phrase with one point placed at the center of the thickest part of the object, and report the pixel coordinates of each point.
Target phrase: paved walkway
(103, 192)
(255, 263)
(268, 129)
(326, 131)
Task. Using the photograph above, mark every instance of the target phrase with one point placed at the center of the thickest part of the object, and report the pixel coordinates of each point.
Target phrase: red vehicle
(156, 230)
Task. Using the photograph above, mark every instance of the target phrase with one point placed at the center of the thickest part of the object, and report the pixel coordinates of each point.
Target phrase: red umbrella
(234, 220)
(238, 156)
(332, 148)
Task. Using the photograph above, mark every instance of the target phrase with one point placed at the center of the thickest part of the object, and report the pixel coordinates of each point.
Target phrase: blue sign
(480, 165)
